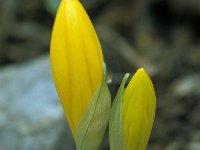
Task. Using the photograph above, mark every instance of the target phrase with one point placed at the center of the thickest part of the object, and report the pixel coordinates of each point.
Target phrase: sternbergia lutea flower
(138, 111)
(133, 113)
(76, 60)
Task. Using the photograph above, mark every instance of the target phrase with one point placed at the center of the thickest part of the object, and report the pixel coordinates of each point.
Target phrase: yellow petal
(138, 111)
(76, 60)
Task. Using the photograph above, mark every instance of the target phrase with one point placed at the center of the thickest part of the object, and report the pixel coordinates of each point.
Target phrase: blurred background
(163, 36)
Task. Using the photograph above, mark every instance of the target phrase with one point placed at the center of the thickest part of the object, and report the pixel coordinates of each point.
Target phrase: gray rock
(31, 117)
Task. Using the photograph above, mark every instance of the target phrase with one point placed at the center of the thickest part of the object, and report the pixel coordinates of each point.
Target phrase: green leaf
(115, 124)
(52, 5)
(92, 126)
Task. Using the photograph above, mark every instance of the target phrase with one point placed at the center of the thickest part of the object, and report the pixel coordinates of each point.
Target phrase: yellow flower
(138, 111)
(76, 60)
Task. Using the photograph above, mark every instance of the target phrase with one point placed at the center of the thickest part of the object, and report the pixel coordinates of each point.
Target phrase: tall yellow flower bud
(76, 60)
(138, 111)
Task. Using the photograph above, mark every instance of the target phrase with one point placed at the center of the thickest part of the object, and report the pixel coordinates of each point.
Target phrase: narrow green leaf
(92, 126)
(115, 124)
(52, 5)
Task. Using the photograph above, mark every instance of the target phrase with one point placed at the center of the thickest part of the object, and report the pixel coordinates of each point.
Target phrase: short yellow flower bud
(138, 111)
